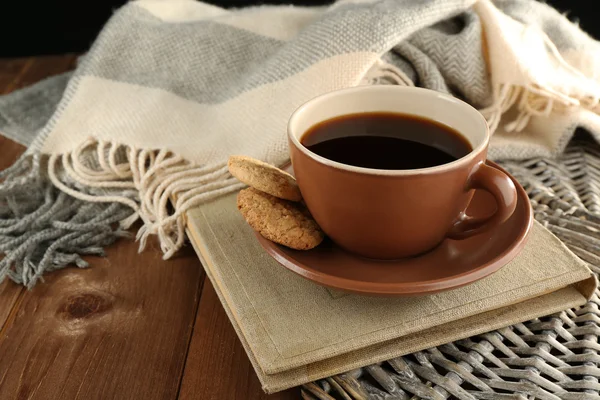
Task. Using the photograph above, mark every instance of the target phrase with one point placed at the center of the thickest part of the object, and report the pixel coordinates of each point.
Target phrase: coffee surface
(382, 140)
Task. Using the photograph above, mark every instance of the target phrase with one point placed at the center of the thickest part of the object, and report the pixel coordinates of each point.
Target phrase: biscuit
(281, 221)
(264, 177)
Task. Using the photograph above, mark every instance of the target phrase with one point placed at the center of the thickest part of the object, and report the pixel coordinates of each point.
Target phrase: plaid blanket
(170, 89)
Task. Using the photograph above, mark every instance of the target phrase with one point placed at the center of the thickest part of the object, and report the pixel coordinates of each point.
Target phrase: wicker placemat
(554, 357)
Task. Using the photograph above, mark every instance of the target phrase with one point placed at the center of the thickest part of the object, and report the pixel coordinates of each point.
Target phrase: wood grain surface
(9, 293)
(216, 347)
(131, 326)
(14, 74)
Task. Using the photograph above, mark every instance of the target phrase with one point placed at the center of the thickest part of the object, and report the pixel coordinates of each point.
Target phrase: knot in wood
(84, 306)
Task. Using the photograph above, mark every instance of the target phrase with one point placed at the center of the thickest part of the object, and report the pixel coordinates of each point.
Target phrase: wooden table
(131, 326)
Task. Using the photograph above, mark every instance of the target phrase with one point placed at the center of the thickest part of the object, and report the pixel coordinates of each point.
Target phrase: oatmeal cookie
(264, 177)
(281, 221)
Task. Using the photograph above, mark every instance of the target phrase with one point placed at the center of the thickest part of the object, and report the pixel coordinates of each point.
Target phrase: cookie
(281, 221)
(264, 177)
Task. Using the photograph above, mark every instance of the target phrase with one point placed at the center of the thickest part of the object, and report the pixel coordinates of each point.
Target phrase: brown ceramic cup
(390, 214)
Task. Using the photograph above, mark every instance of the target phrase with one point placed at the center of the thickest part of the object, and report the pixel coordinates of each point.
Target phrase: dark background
(56, 27)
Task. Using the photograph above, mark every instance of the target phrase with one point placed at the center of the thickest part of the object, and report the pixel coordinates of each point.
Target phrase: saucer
(452, 264)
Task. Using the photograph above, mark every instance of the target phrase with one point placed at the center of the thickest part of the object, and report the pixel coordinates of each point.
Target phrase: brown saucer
(452, 264)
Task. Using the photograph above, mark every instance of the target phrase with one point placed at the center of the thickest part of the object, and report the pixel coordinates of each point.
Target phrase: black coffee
(384, 140)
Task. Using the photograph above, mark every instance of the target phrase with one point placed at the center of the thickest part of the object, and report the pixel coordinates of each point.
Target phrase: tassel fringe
(157, 185)
(383, 73)
(43, 229)
(530, 101)
(76, 203)
(537, 100)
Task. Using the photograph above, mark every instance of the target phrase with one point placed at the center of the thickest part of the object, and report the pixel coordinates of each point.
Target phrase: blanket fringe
(531, 100)
(383, 73)
(43, 229)
(158, 185)
(540, 100)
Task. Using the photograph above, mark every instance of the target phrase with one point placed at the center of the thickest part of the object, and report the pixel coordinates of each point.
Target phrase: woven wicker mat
(554, 357)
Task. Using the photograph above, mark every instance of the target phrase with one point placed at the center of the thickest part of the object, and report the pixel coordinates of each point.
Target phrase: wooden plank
(15, 73)
(9, 152)
(10, 70)
(38, 68)
(9, 292)
(118, 330)
(217, 366)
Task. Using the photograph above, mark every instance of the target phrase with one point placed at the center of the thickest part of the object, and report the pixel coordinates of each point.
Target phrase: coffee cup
(387, 213)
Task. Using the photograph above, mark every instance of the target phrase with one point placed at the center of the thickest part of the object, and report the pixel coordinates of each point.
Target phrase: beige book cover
(296, 331)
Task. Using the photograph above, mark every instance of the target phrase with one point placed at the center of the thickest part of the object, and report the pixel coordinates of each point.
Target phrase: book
(296, 331)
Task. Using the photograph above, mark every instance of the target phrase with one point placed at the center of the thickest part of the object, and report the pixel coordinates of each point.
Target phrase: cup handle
(504, 191)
